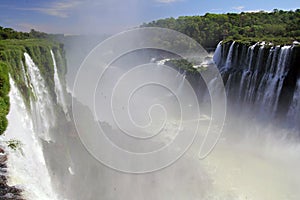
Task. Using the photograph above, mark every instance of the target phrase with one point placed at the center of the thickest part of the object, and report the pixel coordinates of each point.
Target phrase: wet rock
(3, 158)
(3, 179)
(7, 192)
(3, 165)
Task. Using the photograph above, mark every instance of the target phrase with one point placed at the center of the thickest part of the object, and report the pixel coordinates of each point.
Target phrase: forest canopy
(278, 27)
(9, 33)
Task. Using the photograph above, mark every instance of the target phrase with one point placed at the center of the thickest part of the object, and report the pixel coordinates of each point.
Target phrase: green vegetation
(278, 27)
(4, 99)
(12, 49)
(15, 145)
(185, 65)
(12, 53)
(9, 33)
(182, 64)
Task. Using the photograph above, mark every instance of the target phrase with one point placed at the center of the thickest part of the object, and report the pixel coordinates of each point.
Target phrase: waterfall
(60, 95)
(229, 56)
(218, 54)
(245, 80)
(254, 78)
(42, 105)
(182, 80)
(24, 74)
(294, 110)
(263, 87)
(257, 80)
(266, 76)
(274, 82)
(27, 167)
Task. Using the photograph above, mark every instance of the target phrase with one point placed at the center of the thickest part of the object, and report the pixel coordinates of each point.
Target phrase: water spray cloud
(144, 101)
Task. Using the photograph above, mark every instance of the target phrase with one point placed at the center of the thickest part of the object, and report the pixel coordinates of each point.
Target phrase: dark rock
(3, 158)
(3, 171)
(3, 179)
(1, 150)
(3, 165)
(7, 192)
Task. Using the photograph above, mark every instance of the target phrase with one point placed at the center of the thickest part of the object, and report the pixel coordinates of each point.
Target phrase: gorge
(257, 156)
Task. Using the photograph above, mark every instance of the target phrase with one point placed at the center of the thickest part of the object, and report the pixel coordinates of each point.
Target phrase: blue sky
(110, 16)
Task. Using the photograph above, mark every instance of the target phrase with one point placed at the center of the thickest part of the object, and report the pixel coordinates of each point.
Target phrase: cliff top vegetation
(278, 27)
(13, 44)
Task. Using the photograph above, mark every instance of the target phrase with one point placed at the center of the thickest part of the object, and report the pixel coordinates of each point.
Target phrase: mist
(110, 108)
(247, 156)
(144, 130)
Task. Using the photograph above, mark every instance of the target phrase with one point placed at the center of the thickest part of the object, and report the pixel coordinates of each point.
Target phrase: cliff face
(12, 61)
(262, 78)
(33, 103)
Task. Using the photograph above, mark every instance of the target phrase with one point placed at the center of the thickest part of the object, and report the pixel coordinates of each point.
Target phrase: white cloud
(59, 9)
(239, 8)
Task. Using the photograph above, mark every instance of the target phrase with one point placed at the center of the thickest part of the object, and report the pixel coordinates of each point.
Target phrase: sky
(112, 16)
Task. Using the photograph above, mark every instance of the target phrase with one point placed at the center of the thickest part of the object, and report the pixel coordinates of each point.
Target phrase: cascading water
(24, 74)
(27, 168)
(183, 76)
(262, 92)
(42, 105)
(60, 94)
(274, 86)
(254, 153)
(245, 82)
(229, 57)
(256, 167)
(256, 78)
(218, 54)
(255, 72)
(236, 169)
(293, 113)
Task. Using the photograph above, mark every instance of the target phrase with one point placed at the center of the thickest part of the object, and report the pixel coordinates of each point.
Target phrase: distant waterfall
(294, 110)
(61, 99)
(259, 78)
(218, 54)
(179, 89)
(26, 168)
(274, 82)
(229, 57)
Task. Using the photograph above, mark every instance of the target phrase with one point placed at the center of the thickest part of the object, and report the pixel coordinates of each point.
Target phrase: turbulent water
(259, 152)
(257, 156)
(27, 167)
(259, 75)
(31, 125)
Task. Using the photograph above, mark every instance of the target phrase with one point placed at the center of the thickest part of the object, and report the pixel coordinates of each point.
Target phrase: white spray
(59, 88)
(42, 105)
(26, 168)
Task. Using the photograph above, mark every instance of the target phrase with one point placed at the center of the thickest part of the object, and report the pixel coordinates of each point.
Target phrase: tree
(209, 29)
